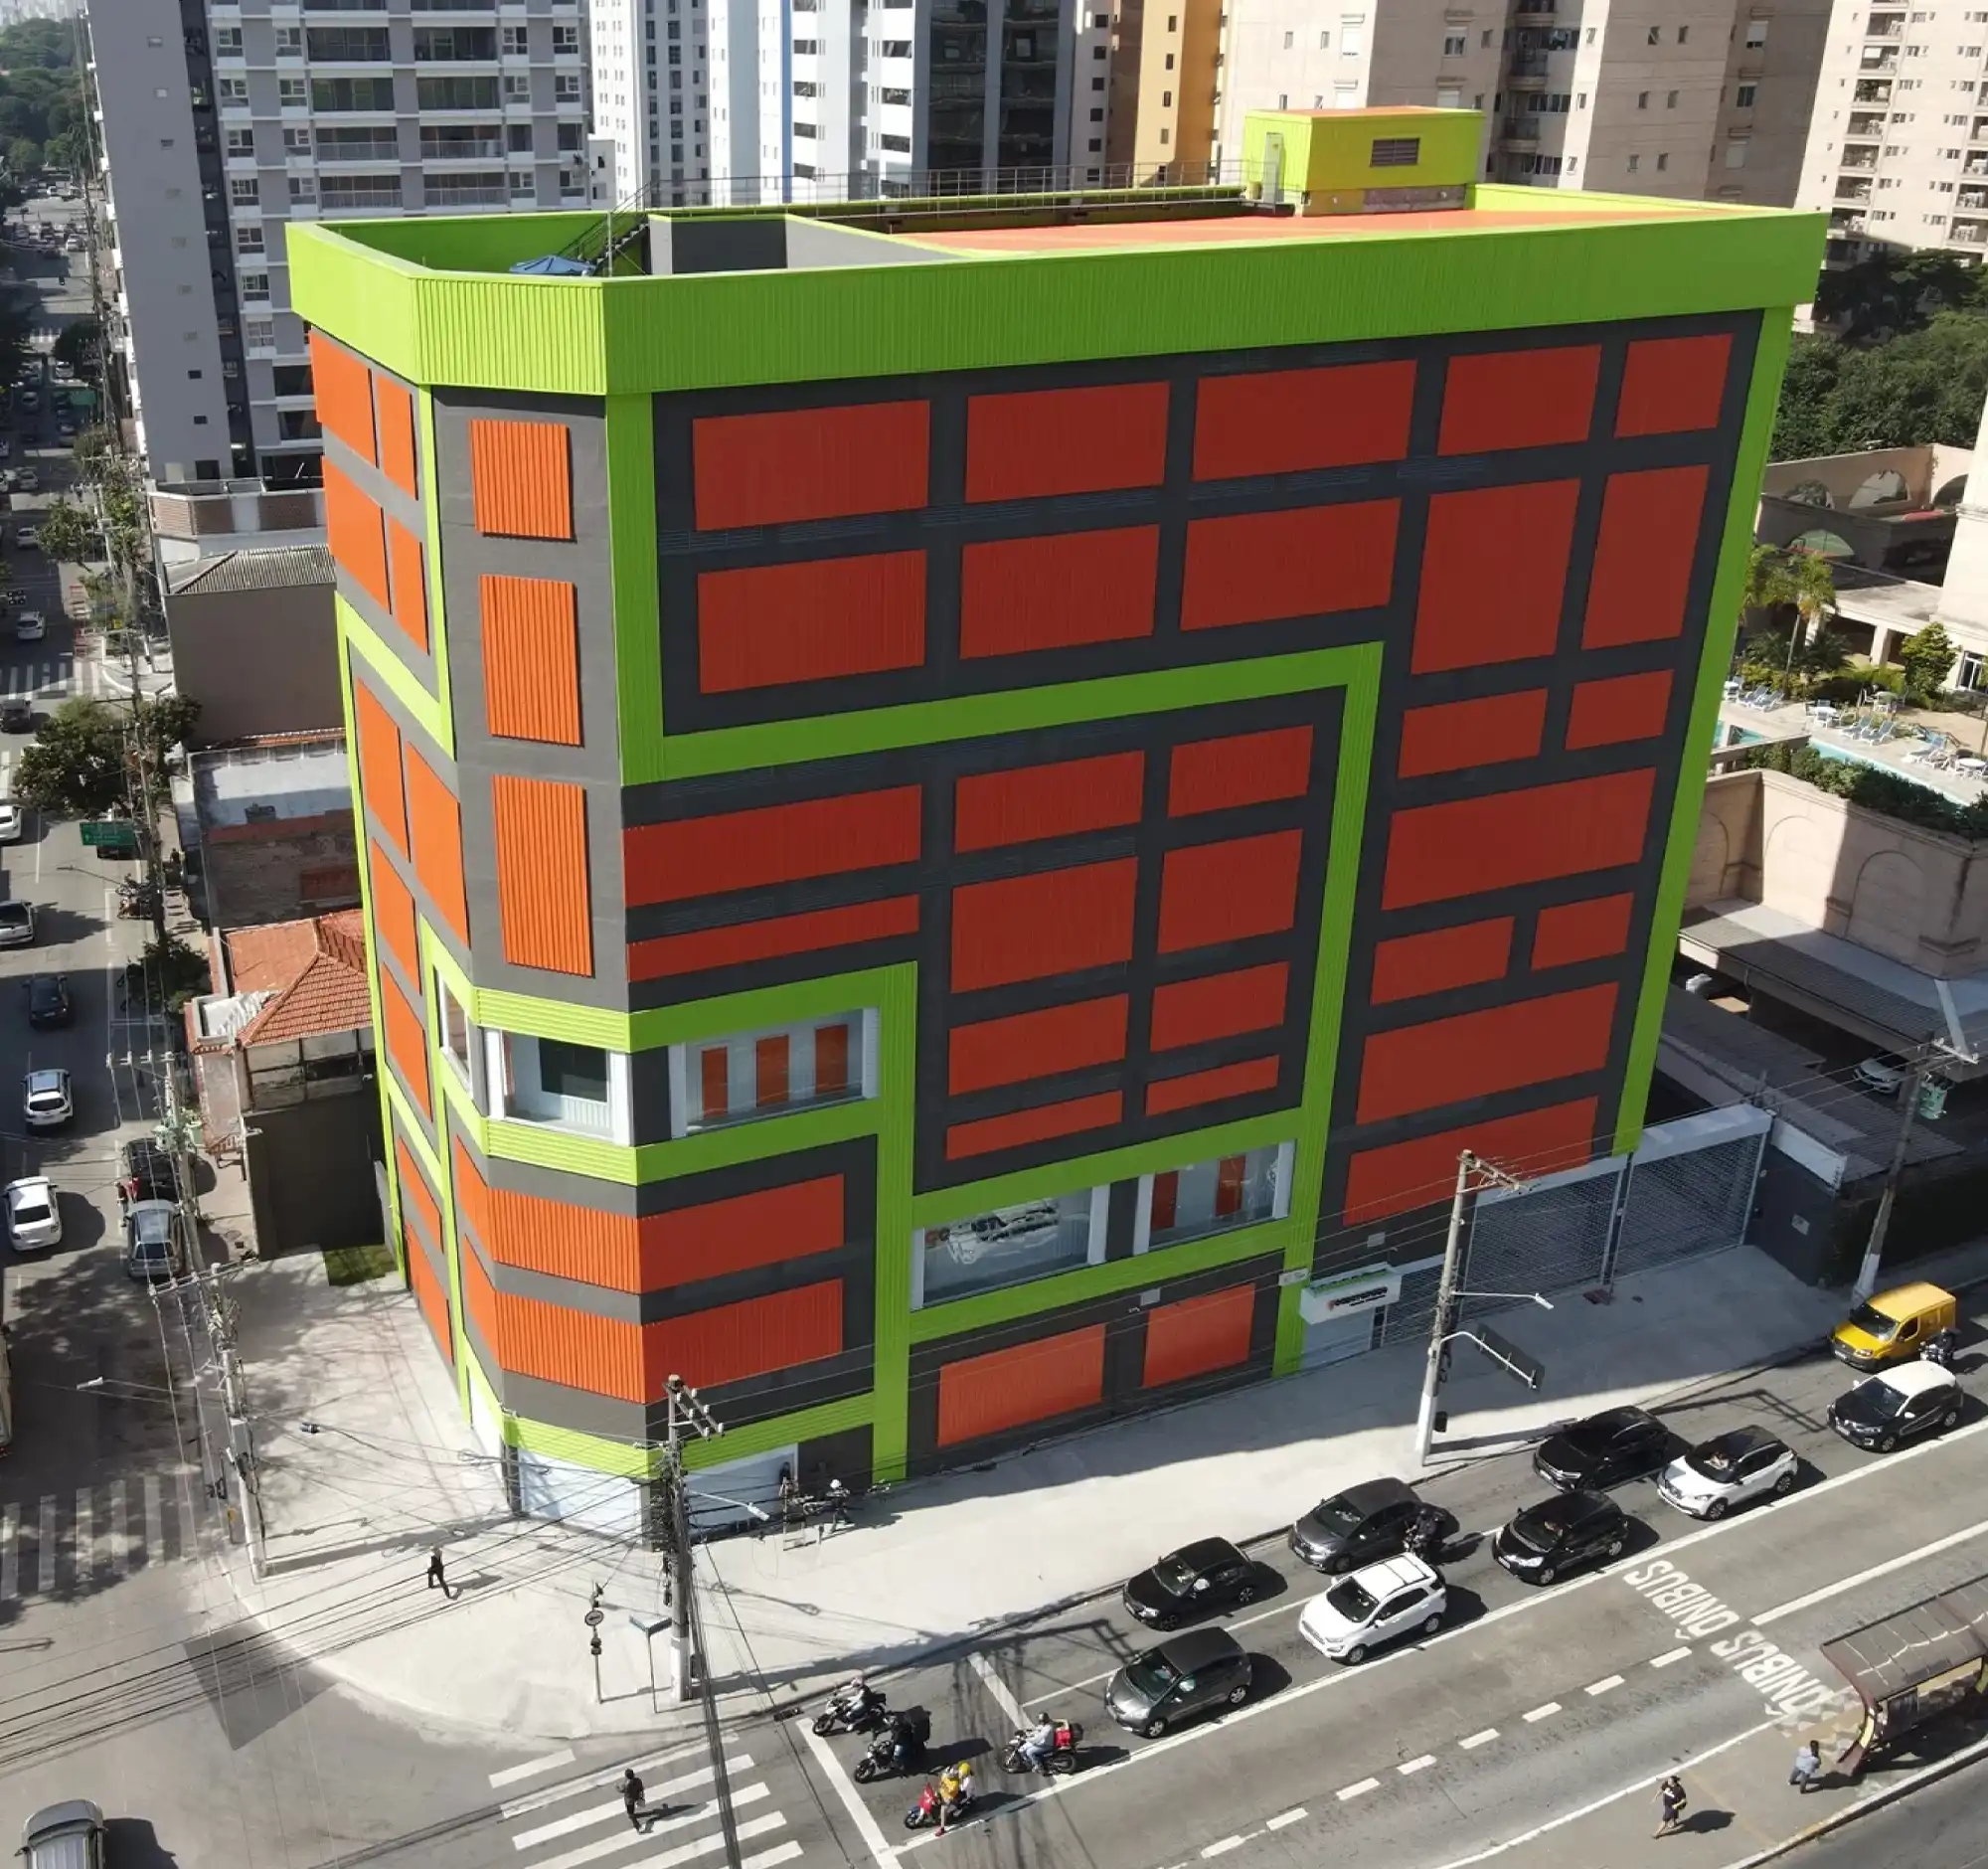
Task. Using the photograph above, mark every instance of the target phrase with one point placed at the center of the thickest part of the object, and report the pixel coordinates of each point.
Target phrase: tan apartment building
(1898, 152)
(1699, 100)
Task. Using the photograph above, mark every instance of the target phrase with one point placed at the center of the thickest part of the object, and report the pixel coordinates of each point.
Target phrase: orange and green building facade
(964, 803)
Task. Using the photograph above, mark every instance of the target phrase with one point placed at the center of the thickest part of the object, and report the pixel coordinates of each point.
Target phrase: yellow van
(1893, 1325)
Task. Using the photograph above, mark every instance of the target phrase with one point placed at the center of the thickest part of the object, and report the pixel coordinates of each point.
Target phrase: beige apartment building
(1699, 100)
(1898, 153)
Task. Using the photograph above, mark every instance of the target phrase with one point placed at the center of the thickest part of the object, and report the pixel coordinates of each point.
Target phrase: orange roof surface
(1218, 230)
(315, 968)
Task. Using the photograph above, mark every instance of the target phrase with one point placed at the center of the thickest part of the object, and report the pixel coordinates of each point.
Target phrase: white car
(33, 1217)
(26, 538)
(10, 822)
(1732, 1470)
(1884, 1073)
(17, 924)
(47, 1103)
(29, 627)
(1377, 1603)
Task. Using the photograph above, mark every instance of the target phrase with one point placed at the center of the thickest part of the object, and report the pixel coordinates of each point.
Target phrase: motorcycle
(1059, 1764)
(1429, 1533)
(854, 1707)
(899, 1748)
(1939, 1349)
(135, 901)
(925, 1811)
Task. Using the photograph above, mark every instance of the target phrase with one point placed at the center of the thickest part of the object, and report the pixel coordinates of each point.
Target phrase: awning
(1884, 1660)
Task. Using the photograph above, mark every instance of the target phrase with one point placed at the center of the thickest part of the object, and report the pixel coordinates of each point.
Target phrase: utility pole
(1471, 1173)
(685, 1409)
(1908, 1107)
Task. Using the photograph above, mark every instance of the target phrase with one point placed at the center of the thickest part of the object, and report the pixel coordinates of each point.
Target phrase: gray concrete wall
(257, 661)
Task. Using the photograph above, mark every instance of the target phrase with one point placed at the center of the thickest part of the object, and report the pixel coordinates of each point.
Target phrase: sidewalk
(353, 1507)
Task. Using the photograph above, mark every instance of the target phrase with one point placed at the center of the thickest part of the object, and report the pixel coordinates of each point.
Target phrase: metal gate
(1691, 1188)
(1547, 1236)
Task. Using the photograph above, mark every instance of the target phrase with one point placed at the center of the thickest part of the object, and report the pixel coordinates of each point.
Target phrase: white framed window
(244, 192)
(740, 1077)
(1240, 1190)
(227, 41)
(515, 42)
(565, 87)
(457, 1035)
(557, 1085)
(1008, 1246)
(232, 91)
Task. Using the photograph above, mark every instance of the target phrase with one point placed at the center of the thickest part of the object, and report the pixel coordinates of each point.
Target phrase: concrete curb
(1874, 1800)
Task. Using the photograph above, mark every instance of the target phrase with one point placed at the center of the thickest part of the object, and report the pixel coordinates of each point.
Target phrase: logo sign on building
(1364, 1291)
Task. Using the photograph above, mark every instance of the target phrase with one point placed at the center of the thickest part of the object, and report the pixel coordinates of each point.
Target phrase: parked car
(1894, 1326)
(1602, 1451)
(31, 480)
(154, 1241)
(17, 924)
(1191, 1674)
(1560, 1534)
(29, 627)
(1898, 1405)
(1209, 1574)
(1395, 1598)
(63, 1836)
(1356, 1526)
(1884, 1072)
(45, 1100)
(1728, 1470)
(26, 538)
(49, 1001)
(34, 1219)
(144, 1173)
(10, 813)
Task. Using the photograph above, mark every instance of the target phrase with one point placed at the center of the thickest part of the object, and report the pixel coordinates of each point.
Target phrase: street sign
(113, 834)
(594, 1618)
(1516, 1362)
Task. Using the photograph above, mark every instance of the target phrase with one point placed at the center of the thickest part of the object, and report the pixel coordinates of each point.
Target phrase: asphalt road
(1943, 1826)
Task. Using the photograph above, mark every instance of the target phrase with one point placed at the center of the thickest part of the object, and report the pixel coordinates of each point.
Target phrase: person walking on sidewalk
(436, 1577)
(1808, 1763)
(1671, 1802)
(633, 1796)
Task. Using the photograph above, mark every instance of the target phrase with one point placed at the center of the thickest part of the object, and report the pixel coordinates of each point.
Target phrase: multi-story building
(1898, 153)
(650, 93)
(223, 124)
(1703, 100)
(963, 813)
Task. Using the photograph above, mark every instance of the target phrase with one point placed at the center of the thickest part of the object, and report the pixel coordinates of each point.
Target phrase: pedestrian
(437, 1579)
(1808, 1762)
(632, 1797)
(1671, 1802)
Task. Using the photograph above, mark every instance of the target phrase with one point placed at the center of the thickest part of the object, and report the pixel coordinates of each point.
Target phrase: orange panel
(809, 463)
(355, 529)
(1027, 927)
(731, 1342)
(396, 435)
(1227, 892)
(1414, 964)
(1048, 442)
(744, 941)
(1255, 568)
(393, 911)
(1219, 1005)
(766, 625)
(543, 901)
(416, 1194)
(436, 820)
(379, 783)
(994, 809)
(1438, 852)
(1035, 1043)
(1285, 422)
(472, 1193)
(1197, 1336)
(1422, 1173)
(531, 659)
(1245, 769)
(1482, 731)
(1057, 590)
(342, 387)
(1477, 1053)
(431, 1296)
(1622, 707)
(1519, 398)
(1643, 557)
(777, 843)
(763, 1228)
(479, 1302)
(406, 1041)
(1046, 1120)
(1582, 931)
(556, 1344)
(411, 585)
(586, 1244)
(1167, 1095)
(1032, 1382)
(1673, 385)
(1494, 568)
(521, 476)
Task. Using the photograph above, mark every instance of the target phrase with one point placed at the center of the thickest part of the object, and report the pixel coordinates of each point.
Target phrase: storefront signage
(1364, 1291)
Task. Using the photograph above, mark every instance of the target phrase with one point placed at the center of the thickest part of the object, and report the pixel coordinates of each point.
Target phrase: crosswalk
(69, 1544)
(581, 1823)
(49, 677)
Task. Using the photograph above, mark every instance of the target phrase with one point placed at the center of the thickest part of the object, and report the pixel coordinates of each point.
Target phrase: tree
(1928, 660)
(78, 347)
(1893, 293)
(85, 757)
(67, 536)
(24, 156)
(1926, 386)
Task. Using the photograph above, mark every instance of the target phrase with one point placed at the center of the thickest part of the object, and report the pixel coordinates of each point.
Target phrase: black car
(1190, 1674)
(1209, 1574)
(145, 1173)
(1356, 1526)
(48, 1000)
(1602, 1451)
(1898, 1405)
(1549, 1539)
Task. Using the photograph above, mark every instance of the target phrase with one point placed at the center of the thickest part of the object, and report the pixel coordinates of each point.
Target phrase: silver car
(45, 1100)
(154, 1241)
(63, 1836)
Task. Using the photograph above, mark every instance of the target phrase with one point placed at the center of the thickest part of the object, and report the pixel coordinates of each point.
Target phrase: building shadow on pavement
(132, 1844)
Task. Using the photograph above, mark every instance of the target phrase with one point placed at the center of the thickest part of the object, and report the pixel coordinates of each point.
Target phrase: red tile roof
(316, 971)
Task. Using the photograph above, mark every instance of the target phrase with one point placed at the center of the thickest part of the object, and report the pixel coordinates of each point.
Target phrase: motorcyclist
(1940, 1347)
(904, 1740)
(956, 1794)
(1041, 1744)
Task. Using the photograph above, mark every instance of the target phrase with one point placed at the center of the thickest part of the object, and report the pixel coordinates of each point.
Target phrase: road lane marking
(1221, 1849)
(120, 1526)
(676, 1820)
(85, 1538)
(511, 1774)
(1286, 1817)
(189, 1518)
(767, 1858)
(10, 1554)
(1361, 1790)
(600, 1813)
(45, 1546)
(1478, 1739)
(1864, 1577)
(155, 1525)
(1422, 1763)
(1004, 1695)
(557, 1793)
(1543, 1713)
(707, 1845)
(1603, 1684)
(1664, 1661)
(867, 1826)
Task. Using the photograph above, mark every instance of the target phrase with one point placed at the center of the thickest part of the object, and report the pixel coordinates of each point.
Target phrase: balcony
(1879, 59)
(1886, 26)
(1872, 91)
(1860, 158)
(1847, 221)
(1976, 164)
(1866, 124)
(1529, 65)
(1969, 233)
(1853, 191)
(444, 146)
(1536, 12)
(1972, 198)
(1520, 136)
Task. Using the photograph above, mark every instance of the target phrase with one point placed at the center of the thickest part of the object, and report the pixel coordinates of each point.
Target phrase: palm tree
(1780, 579)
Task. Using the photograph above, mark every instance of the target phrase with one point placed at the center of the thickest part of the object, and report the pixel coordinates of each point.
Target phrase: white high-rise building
(650, 58)
(220, 123)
